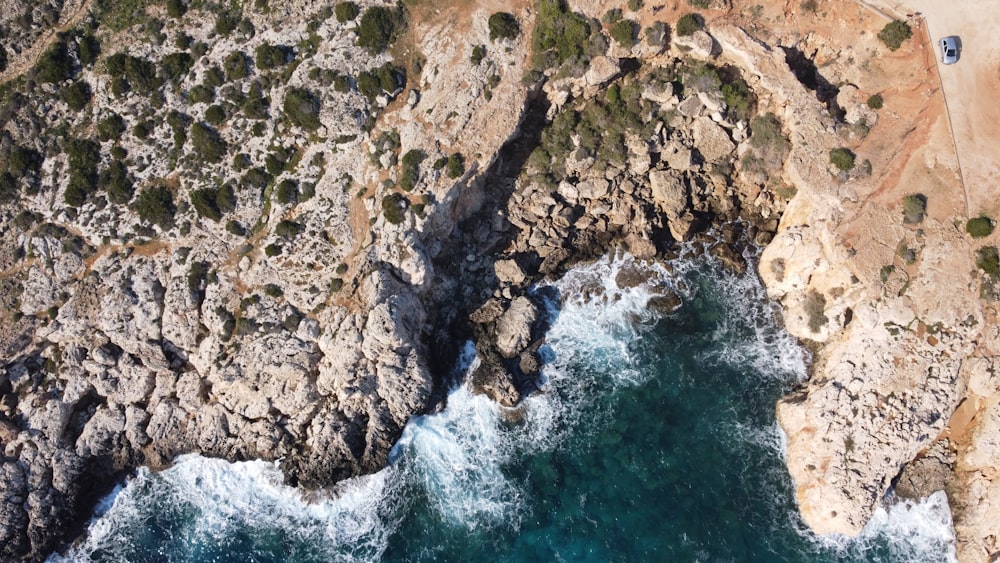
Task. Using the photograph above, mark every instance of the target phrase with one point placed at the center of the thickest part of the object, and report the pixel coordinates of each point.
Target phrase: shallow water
(654, 441)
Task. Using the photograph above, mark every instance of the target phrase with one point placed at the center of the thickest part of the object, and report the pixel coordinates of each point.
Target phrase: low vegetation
(503, 25)
(346, 11)
(894, 34)
(979, 227)
(842, 158)
(394, 208)
(625, 32)
(302, 108)
(688, 24)
(875, 101)
(815, 307)
(914, 208)
(155, 205)
(379, 27)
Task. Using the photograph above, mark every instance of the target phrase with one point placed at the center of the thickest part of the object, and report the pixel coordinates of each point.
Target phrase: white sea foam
(457, 459)
(210, 499)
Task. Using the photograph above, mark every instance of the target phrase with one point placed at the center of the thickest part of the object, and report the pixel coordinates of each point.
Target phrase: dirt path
(28, 58)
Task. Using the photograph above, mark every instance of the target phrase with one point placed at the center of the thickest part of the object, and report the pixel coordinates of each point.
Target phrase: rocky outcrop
(887, 375)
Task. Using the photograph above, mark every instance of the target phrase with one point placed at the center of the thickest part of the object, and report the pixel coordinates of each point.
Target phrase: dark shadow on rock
(806, 71)
(464, 261)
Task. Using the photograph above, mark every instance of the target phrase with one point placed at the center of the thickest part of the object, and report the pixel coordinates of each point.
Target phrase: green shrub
(302, 108)
(988, 260)
(394, 208)
(288, 229)
(625, 32)
(155, 205)
(237, 65)
(215, 115)
(906, 254)
(142, 130)
(204, 202)
(658, 34)
(688, 24)
(111, 127)
(175, 8)
(227, 22)
(739, 99)
(235, 228)
(391, 77)
(88, 48)
(22, 161)
(336, 285)
(83, 156)
(201, 94)
(369, 85)
(557, 29)
(612, 16)
(456, 165)
(271, 56)
(478, 54)
(77, 95)
(815, 306)
(634, 5)
(842, 158)
(272, 250)
(875, 101)
(175, 66)
(8, 188)
(914, 208)
(208, 144)
(346, 11)
(703, 4)
(379, 27)
(55, 65)
(138, 73)
(272, 290)
(894, 33)
(225, 198)
(979, 227)
(410, 173)
(117, 183)
(287, 192)
(503, 26)
(213, 77)
(256, 105)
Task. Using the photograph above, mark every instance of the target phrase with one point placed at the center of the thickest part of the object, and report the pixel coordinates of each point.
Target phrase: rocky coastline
(313, 336)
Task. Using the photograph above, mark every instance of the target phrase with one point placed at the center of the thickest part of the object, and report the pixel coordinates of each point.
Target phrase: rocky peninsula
(263, 233)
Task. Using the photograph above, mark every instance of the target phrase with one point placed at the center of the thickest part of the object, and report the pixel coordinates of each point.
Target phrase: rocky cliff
(259, 234)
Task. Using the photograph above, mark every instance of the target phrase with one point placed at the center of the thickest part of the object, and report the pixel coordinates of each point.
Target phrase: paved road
(972, 90)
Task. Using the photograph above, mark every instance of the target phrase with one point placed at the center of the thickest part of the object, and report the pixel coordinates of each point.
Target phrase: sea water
(654, 439)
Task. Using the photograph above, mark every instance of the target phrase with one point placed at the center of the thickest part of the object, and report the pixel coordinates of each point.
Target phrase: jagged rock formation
(301, 301)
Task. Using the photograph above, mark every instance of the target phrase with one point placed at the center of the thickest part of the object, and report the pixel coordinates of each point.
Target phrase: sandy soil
(971, 87)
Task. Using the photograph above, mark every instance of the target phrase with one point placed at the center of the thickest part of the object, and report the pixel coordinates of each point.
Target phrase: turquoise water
(654, 441)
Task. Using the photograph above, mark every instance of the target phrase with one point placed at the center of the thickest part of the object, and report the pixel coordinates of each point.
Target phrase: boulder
(507, 271)
(513, 330)
(601, 70)
(711, 140)
(700, 43)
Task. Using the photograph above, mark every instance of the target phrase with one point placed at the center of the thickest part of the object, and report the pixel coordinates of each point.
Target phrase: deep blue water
(654, 441)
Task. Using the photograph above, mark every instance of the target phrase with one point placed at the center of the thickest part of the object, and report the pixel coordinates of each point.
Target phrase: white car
(951, 46)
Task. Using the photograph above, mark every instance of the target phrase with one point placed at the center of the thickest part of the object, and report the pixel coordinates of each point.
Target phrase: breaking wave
(636, 405)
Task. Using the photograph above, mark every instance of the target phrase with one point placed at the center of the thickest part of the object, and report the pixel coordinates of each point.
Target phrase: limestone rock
(507, 271)
(700, 44)
(601, 70)
(711, 140)
(513, 330)
(670, 194)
